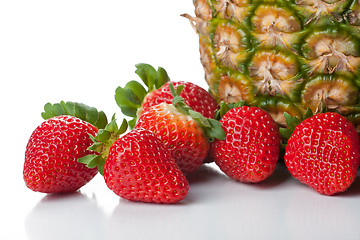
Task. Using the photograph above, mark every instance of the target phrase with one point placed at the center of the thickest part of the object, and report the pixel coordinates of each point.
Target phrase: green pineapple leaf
(79, 110)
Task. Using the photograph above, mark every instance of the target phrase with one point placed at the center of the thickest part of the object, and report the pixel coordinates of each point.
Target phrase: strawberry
(136, 166)
(194, 96)
(140, 168)
(183, 131)
(53, 148)
(133, 99)
(250, 151)
(323, 152)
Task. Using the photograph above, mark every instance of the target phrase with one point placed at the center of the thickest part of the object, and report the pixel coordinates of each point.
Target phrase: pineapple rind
(321, 39)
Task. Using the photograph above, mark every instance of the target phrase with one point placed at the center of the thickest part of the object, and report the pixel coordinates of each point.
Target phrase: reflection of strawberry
(183, 131)
(51, 155)
(134, 98)
(323, 152)
(251, 148)
(140, 168)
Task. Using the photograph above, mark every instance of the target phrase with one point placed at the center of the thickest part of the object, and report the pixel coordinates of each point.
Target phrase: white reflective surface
(216, 208)
(76, 50)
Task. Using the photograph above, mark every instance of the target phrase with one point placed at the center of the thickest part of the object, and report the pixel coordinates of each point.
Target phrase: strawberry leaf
(132, 123)
(291, 123)
(215, 131)
(79, 110)
(151, 78)
(309, 113)
(121, 99)
(103, 140)
(130, 97)
(102, 135)
(225, 107)
(96, 147)
(137, 89)
(212, 128)
(147, 74)
(162, 78)
(95, 162)
(123, 127)
(87, 159)
(200, 118)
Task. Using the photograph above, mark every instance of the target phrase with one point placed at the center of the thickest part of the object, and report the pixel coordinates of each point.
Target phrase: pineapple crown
(130, 97)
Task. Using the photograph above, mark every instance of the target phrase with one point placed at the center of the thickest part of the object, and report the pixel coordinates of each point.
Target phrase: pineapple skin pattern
(282, 56)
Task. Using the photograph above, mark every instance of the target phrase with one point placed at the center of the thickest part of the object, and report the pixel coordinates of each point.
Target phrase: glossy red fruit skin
(51, 155)
(140, 168)
(323, 153)
(181, 134)
(194, 96)
(250, 151)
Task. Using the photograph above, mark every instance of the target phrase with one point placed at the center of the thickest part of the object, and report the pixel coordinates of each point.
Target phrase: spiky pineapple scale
(282, 55)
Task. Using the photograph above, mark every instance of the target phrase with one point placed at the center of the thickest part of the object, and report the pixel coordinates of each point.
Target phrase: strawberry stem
(102, 143)
(291, 123)
(225, 107)
(212, 128)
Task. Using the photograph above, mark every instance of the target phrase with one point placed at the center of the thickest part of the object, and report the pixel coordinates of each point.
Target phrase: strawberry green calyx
(79, 110)
(212, 128)
(225, 107)
(130, 97)
(291, 123)
(102, 142)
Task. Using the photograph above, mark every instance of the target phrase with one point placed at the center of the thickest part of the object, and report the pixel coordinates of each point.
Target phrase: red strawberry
(251, 148)
(51, 155)
(134, 99)
(136, 166)
(181, 130)
(323, 152)
(194, 96)
(181, 134)
(140, 168)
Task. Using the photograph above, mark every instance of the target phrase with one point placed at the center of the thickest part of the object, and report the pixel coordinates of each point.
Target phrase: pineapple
(282, 55)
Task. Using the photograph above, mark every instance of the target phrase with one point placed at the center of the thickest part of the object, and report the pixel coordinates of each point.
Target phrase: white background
(81, 51)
